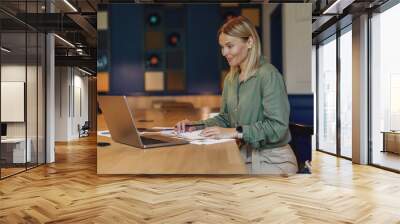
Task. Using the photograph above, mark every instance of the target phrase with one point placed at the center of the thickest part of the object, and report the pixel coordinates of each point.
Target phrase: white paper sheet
(210, 141)
(195, 138)
(104, 133)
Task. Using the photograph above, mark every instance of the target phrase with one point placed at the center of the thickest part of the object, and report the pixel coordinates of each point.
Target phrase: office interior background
(30, 90)
(53, 65)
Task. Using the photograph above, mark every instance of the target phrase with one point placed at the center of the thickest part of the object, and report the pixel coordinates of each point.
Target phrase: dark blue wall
(276, 38)
(302, 109)
(126, 62)
(203, 75)
(302, 112)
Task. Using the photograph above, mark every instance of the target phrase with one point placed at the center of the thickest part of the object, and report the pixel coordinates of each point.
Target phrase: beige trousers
(277, 161)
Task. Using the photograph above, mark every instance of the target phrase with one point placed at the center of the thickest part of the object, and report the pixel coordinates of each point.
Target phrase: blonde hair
(242, 28)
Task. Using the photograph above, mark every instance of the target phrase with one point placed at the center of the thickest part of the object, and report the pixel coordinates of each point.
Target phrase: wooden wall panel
(146, 102)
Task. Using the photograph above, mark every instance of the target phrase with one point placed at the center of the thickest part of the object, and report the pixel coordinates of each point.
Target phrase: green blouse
(260, 105)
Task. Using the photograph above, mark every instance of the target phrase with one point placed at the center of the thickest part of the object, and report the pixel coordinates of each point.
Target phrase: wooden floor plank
(70, 191)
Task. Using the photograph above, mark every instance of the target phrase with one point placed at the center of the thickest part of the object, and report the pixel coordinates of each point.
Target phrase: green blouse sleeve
(275, 125)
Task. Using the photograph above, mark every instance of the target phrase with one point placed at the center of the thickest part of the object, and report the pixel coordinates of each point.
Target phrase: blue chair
(302, 145)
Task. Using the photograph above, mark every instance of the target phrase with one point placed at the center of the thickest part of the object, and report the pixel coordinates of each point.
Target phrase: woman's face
(234, 49)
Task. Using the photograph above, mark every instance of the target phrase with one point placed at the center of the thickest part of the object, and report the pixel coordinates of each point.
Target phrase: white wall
(71, 94)
(297, 47)
(33, 127)
(80, 105)
(13, 72)
(62, 81)
(297, 44)
(16, 73)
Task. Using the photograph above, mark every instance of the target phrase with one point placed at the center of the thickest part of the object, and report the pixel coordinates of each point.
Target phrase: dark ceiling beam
(91, 5)
(15, 18)
(49, 22)
(86, 26)
(321, 23)
(78, 61)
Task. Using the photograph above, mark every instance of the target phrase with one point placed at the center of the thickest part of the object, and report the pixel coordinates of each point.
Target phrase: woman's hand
(181, 126)
(219, 133)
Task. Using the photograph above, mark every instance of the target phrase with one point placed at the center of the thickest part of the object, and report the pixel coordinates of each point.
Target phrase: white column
(50, 100)
(360, 90)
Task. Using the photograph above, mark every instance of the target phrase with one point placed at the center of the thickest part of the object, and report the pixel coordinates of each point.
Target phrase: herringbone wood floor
(69, 191)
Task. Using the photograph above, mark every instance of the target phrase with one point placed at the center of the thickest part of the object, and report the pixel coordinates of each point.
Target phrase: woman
(255, 105)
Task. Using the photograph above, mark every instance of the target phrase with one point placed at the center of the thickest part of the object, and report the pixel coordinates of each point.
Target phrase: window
(327, 96)
(385, 88)
(346, 93)
(334, 106)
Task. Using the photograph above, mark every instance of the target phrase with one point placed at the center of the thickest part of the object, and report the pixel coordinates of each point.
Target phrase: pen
(194, 125)
(154, 129)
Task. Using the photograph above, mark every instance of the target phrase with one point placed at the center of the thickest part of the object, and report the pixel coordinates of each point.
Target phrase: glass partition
(31, 100)
(327, 95)
(41, 79)
(14, 153)
(22, 88)
(385, 89)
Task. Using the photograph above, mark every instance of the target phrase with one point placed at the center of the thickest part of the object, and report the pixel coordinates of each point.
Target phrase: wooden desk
(118, 158)
(391, 141)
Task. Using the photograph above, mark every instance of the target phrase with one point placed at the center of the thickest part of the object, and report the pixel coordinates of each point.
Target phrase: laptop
(121, 124)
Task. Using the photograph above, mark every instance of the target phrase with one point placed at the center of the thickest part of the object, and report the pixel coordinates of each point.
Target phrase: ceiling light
(65, 41)
(84, 71)
(337, 7)
(5, 50)
(70, 5)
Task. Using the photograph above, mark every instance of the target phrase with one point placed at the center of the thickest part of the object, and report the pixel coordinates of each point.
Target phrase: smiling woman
(240, 45)
(255, 107)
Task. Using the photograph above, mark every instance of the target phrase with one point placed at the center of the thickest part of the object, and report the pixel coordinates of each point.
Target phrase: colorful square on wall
(253, 14)
(103, 82)
(154, 40)
(102, 20)
(154, 81)
(176, 81)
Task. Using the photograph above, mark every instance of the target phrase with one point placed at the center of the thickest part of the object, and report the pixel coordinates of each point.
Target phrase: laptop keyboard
(151, 141)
